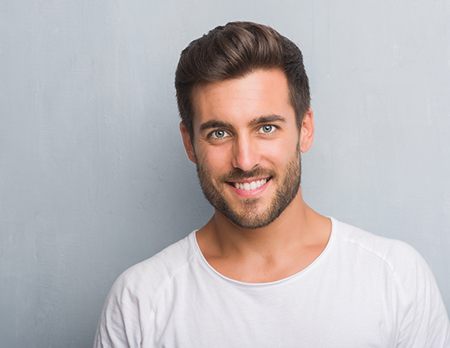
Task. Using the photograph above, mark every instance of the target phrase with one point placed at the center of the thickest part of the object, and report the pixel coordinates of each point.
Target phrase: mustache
(239, 174)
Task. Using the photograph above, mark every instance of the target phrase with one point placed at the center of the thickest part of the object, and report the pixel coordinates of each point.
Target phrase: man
(266, 270)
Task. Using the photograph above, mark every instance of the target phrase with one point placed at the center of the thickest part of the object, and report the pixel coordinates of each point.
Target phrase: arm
(118, 325)
(124, 316)
(423, 320)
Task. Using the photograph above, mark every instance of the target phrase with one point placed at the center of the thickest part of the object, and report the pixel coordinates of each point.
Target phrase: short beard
(284, 195)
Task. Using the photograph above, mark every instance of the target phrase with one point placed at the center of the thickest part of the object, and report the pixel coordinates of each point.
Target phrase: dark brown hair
(232, 51)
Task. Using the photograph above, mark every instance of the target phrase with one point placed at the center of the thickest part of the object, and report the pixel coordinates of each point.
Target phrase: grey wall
(93, 177)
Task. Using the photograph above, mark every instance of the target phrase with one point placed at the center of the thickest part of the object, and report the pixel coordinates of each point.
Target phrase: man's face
(246, 146)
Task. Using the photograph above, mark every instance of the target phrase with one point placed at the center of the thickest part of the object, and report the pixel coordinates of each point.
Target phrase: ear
(188, 147)
(307, 131)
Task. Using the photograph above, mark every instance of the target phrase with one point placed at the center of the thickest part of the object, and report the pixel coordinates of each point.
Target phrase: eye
(267, 129)
(218, 134)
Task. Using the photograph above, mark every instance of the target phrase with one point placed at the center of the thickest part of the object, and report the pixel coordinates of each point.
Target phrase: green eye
(267, 129)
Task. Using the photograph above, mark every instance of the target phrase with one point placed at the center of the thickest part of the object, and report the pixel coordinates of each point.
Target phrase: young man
(266, 270)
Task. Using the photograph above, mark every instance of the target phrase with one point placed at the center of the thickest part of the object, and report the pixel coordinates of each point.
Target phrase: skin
(232, 133)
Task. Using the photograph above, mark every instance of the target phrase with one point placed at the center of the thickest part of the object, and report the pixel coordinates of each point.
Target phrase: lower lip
(250, 193)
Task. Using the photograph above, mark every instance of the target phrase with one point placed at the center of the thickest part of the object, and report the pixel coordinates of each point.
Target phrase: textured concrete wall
(93, 176)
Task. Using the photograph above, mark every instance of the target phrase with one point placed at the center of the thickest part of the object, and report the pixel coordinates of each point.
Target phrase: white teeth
(250, 186)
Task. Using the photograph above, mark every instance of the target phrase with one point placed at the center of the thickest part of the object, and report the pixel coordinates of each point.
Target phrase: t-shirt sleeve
(423, 320)
(120, 324)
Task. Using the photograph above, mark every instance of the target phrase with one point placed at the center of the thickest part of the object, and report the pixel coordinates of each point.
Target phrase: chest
(316, 314)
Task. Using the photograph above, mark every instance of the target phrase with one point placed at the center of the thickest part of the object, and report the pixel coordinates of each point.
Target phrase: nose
(245, 154)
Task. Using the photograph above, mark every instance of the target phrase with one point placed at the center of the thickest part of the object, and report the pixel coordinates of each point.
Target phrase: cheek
(216, 159)
(280, 150)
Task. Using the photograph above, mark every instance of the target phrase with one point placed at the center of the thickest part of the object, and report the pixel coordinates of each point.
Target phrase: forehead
(260, 92)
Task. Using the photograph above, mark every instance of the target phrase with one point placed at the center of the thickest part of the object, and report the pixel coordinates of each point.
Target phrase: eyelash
(211, 134)
(274, 128)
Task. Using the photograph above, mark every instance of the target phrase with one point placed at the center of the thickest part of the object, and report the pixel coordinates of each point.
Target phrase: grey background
(93, 176)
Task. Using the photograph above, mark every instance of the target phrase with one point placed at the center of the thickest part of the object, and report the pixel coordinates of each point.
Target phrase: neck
(296, 227)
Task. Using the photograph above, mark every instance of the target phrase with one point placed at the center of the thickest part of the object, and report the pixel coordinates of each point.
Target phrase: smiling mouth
(249, 185)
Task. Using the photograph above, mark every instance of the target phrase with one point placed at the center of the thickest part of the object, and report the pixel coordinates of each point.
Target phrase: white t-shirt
(362, 291)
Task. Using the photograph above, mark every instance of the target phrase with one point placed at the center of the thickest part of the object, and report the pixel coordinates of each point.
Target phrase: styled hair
(232, 51)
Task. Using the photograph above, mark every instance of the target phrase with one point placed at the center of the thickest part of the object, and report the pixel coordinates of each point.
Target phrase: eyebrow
(267, 119)
(259, 120)
(214, 124)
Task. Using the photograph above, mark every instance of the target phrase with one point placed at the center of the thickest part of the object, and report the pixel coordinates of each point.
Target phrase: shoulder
(414, 295)
(394, 254)
(130, 305)
(392, 262)
(150, 276)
